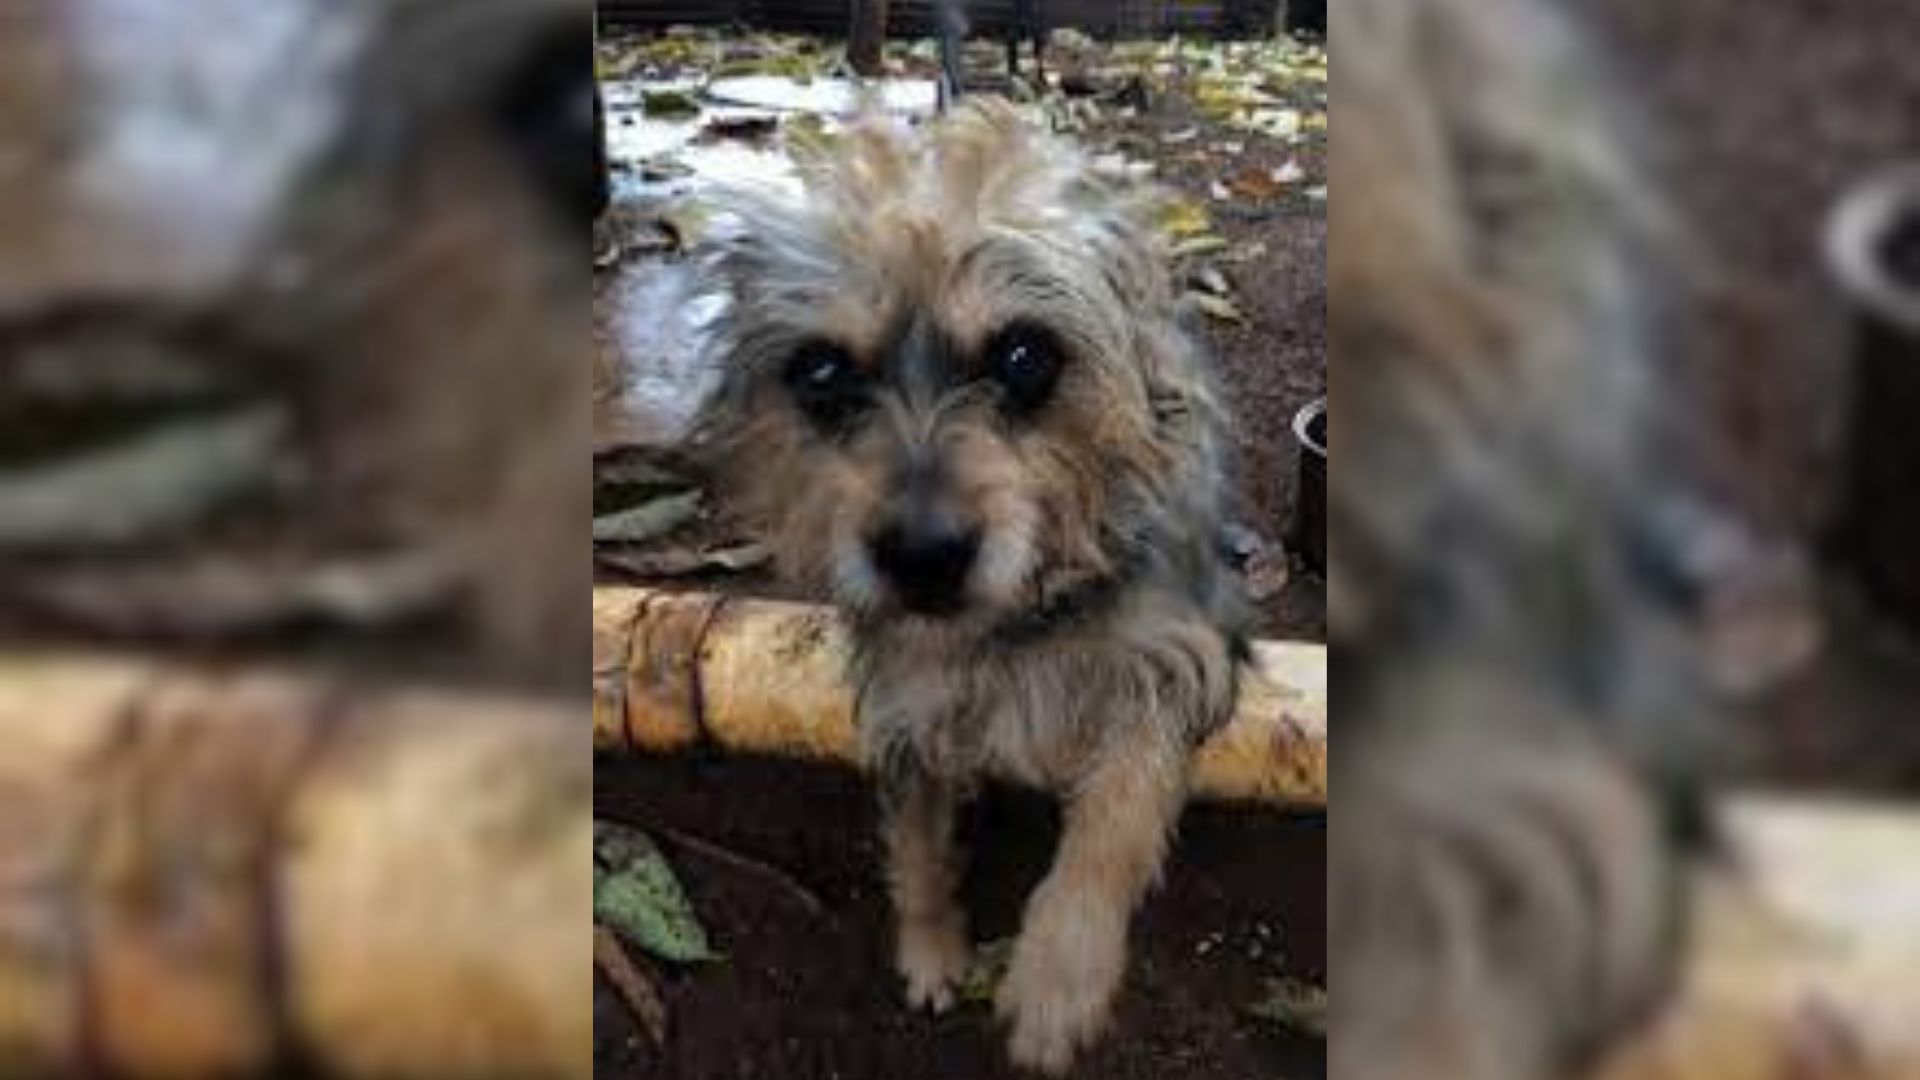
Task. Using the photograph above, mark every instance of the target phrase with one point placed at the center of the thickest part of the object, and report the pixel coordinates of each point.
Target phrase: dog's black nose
(926, 558)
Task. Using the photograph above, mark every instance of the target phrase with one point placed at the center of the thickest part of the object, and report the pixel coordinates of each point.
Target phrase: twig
(779, 877)
(630, 981)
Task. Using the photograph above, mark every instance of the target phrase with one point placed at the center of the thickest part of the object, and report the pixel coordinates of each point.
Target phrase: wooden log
(1806, 962)
(676, 670)
(201, 870)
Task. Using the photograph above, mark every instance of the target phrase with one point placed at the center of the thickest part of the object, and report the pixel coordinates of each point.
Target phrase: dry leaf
(1216, 307)
(647, 521)
(1199, 245)
(1182, 218)
(1299, 1005)
(681, 562)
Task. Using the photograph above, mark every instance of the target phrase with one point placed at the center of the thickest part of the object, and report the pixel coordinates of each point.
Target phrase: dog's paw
(932, 958)
(1059, 991)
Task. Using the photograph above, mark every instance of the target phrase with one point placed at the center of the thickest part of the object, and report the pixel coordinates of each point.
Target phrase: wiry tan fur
(1512, 813)
(1099, 638)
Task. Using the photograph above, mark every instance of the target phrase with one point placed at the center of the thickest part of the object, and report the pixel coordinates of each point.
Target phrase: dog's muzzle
(925, 559)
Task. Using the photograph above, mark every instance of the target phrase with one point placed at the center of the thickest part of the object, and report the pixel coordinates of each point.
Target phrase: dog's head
(954, 386)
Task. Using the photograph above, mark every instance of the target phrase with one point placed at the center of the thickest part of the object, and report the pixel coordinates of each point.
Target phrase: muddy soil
(809, 996)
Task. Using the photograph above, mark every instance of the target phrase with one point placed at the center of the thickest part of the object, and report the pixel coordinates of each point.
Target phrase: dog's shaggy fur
(878, 357)
(1512, 814)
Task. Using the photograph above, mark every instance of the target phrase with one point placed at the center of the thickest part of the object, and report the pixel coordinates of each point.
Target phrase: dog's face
(954, 385)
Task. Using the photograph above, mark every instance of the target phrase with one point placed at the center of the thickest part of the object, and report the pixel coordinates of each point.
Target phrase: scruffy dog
(957, 399)
(1514, 808)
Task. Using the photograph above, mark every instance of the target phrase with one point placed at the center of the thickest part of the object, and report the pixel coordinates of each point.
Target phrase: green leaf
(669, 104)
(1296, 1004)
(985, 970)
(636, 893)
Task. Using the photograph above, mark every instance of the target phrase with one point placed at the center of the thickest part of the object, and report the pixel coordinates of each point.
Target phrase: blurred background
(1763, 120)
(294, 765)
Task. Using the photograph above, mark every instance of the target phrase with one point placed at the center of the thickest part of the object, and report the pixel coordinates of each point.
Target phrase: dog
(1520, 763)
(958, 400)
(360, 222)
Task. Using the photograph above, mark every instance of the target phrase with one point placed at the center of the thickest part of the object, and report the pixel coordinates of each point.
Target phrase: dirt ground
(812, 996)
(1760, 117)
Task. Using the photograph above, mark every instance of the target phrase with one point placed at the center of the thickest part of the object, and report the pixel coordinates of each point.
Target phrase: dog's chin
(947, 618)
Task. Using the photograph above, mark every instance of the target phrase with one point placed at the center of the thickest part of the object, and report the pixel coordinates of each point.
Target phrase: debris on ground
(636, 894)
(1295, 1004)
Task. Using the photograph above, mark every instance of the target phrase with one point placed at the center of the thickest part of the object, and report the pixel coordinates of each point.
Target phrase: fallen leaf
(1216, 307)
(146, 484)
(1255, 183)
(1181, 218)
(660, 169)
(1280, 123)
(1199, 245)
(744, 128)
(647, 521)
(1211, 280)
(668, 104)
(215, 596)
(1299, 1005)
(681, 562)
(636, 893)
(1247, 252)
(985, 969)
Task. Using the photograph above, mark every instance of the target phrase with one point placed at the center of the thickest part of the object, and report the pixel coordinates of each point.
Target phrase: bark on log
(673, 671)
(203, 871)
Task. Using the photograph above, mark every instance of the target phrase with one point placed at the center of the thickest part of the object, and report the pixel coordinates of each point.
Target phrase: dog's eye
(826, 384)
(548, 111)
(1025, 361)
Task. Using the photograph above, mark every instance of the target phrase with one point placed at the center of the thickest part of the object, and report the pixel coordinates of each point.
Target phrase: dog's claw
(933, 961)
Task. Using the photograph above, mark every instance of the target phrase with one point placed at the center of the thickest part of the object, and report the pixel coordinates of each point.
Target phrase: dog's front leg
(1071, 955)
(924, 864)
